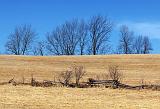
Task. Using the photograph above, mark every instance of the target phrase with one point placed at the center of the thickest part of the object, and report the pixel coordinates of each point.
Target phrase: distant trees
(138, 45)
(126, 40)
(19, 42)
(39, 49)
(77, 37)
(130, 44)
(147, 47)
(64, 39)
(99, 32)
(142, 45)
(82, 34)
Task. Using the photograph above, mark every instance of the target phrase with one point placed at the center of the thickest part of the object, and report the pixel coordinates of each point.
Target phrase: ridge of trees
(77, 37)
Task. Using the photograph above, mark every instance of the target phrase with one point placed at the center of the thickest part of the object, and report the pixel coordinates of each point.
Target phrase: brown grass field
(135, 68)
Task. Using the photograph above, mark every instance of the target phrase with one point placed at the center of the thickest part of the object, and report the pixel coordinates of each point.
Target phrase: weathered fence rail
(90, 83)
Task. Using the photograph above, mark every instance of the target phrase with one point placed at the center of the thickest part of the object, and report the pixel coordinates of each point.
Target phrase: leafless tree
(142, 45)
(138, 45)
(79, 72)
(64, 39)
(126, 40)
(147, 47)
(99, 29)
(82, 32)
(114, 73)
(19, 42)
(65, 77)
(39, 49)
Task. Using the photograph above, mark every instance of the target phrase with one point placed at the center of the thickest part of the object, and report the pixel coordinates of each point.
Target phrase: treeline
(77, 37)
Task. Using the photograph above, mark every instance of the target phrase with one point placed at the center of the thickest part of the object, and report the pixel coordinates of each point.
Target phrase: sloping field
(135, 68)
(27, 97)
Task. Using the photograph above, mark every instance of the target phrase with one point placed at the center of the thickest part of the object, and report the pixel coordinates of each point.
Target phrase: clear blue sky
(140, 15)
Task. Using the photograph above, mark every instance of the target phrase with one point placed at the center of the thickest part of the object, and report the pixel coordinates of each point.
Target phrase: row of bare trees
(79, 36)
(76, 37)
(129, 44)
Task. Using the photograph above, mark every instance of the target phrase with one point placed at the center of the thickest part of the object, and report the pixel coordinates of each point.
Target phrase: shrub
(78, 72)
(114, 73)
(65, 77)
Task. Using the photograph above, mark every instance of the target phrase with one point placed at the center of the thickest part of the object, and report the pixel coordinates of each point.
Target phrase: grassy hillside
(27, 97)
(134, 67)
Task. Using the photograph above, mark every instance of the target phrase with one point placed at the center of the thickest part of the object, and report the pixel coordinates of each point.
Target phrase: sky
(141, 16)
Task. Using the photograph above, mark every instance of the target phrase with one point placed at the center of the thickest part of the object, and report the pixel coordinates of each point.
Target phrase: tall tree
(142, 45)
(99, 29)
(63, 40)
(20, 41)
(126, 40)
(147, 47)
(82, 32)
(138, 45)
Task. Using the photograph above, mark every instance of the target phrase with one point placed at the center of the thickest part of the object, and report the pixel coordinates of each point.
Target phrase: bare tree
(64, 40)
(142, 45)
(114, 73)
(147, 47)
(100, 28)
(19, 42)
(39, 49)
(138, 45)
(83, 32)
(79, 72)
(126, 40)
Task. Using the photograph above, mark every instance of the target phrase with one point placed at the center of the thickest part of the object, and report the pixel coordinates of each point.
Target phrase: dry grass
(134, 67)
(26, 97)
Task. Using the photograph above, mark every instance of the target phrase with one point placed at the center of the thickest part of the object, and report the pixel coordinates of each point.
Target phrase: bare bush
(75, 71)
(12, 81)
(114, 73)
(65, 77)
(79, 72)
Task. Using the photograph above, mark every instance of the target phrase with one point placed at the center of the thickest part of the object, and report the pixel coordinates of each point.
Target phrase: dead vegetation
(72, 78)
(65, 77)
(114, 73)
(99, 93)
(79, 72)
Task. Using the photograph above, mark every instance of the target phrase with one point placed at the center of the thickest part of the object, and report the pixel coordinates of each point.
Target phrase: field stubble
(135, 68)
